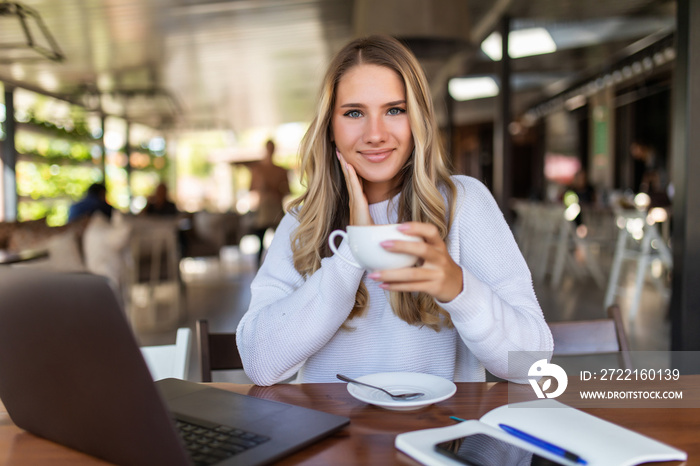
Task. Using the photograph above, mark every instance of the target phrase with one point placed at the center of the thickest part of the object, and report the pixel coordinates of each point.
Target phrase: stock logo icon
(542, 368)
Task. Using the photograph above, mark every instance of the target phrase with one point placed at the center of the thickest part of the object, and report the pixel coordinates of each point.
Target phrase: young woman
(373, 155)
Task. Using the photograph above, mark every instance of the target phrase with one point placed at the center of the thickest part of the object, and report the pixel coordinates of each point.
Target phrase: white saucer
(434, 388)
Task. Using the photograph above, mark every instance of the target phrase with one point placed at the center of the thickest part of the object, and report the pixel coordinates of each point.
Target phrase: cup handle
(331, 243)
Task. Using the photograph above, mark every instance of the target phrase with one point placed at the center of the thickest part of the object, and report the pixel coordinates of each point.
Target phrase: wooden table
(369, 439)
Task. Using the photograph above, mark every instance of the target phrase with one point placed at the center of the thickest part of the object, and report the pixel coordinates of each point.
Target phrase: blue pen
(543, 444)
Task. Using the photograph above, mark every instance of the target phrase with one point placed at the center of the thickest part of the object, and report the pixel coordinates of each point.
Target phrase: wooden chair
(590, 337)
(217, 351)
(169, 360)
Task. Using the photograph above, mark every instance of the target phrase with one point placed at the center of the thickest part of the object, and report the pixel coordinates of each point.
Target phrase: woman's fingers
(430, 249)
(438, 274)
(359, 207)
(354, 184)
(344, 168)
(437, 282)
(420, 249)
(444, 284)
(404, 275)
(427, 231)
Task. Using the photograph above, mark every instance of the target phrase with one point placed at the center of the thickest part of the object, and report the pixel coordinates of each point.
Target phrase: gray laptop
(71, 372)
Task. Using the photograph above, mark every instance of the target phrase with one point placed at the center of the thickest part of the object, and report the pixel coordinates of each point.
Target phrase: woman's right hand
(359, 207)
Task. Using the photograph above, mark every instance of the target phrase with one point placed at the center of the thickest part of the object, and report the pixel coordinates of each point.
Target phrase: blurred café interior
(578, 115)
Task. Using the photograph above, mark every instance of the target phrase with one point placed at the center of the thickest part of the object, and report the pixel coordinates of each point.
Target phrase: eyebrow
(388, 104)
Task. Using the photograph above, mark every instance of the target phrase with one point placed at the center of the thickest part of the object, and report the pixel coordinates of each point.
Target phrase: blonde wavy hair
(324, 206)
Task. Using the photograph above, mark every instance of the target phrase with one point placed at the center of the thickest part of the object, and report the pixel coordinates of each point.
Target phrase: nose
(375, 131)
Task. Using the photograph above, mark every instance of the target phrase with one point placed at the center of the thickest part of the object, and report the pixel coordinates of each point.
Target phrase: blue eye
(396, 111)
(353, 114)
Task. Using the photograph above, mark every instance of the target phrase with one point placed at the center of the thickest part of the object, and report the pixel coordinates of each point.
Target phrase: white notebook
(599, 442)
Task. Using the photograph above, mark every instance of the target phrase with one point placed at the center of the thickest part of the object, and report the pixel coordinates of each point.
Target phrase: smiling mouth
(377, 156)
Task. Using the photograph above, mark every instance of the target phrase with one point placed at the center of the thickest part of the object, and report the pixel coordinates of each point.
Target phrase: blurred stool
(576, 252)
(546, 222)
(637, 241)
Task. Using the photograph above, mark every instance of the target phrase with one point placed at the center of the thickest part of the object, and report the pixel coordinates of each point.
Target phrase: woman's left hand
(438, 275)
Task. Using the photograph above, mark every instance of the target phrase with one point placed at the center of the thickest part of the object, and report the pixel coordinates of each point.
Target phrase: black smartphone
(484, 450)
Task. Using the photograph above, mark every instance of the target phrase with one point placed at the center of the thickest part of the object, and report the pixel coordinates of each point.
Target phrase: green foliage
(54, 169)
(32, 210)
(39, 180)
(55, 212)
(200, 166)
(143, 183)
(59, 157)
(55, 150)
(49, 190)
(73, 128)
(193, 154)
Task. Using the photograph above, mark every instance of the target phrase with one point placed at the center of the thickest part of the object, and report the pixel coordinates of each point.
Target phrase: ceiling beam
(487, 24)
(457, 63)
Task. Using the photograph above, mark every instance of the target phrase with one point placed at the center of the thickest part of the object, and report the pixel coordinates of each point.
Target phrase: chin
(378, 179)
(375, 174)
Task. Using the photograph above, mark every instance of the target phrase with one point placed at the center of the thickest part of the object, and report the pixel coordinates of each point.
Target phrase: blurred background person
(269, 184)
(95, 199)
(580, 191)
(584, 190)
(159, 203)
(654, 177)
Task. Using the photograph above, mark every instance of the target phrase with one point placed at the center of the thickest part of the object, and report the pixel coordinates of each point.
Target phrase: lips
(376, 156)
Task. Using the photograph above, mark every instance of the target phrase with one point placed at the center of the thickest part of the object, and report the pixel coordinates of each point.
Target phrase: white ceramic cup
(365, 242)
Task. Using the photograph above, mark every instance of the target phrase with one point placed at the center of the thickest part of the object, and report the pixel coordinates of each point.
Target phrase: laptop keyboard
(210, 445)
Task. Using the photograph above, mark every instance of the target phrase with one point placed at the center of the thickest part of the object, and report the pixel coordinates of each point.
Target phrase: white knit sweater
(294, 324)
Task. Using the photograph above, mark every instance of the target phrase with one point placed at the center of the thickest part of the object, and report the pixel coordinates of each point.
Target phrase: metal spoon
(403, 396)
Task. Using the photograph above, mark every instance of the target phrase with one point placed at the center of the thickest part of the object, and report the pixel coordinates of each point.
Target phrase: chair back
(588, 337)
(166, 361)
(217, 351)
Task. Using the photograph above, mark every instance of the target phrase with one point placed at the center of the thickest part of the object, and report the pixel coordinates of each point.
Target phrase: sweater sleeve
(497, 311)
(289, 318)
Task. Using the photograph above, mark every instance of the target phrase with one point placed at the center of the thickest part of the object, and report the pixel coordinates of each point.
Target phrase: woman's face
(371, 127)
